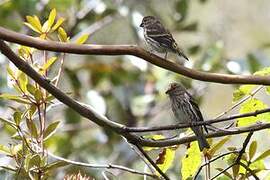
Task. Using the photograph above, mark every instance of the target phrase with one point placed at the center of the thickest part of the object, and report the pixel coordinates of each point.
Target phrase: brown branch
(208, 122)
(134, 50)
(102, 121)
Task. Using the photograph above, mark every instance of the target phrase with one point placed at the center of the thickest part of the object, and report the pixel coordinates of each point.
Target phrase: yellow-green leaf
(31, 88)
(32, 128)
(57, 24)
(251, 106)
(51, 129)
(10, 73)
(252, 149)
(14, 98)
(263, 155)
(45, 27)
(225, 172)
(34, 22)
(192, 161)
(17, 116)
(242, 91)
(82, 39)
(4, 150)
(263, 72)
(31, 27)
(49, 63)
(38, 95)
(23, 81)
(165, 159)
(215, 147)
(51, 18)
(62, 35)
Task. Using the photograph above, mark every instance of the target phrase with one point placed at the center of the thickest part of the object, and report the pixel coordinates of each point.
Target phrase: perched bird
(159, 38)
(187, 111)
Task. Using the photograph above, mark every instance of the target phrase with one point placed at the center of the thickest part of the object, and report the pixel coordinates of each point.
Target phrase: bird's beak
(168, 90)
(141, 25)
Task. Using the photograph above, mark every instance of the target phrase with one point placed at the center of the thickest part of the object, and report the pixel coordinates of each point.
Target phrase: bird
(159, 38)
(186, 110)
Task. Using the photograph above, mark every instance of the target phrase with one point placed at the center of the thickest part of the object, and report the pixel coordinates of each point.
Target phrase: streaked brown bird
(159, 38)
(186, 110)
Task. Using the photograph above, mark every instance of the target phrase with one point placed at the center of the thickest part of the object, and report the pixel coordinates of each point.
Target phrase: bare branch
(105, 166)
(134, 50)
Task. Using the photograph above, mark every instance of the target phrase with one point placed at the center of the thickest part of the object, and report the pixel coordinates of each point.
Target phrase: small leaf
(51, 18)
(55, 165)
(192, 160)
(4, 150)
(23, 81)
(235, 169)
(38, 95)
(31, 27)
(263, 155)
(57, 24)
(45, 27)
(35, 23)
(14, 98)
(10, 73)
(242, 91)
(62, 35)
(49, 63)
(165, 159)
(51, 129)
(26, 162)
(31, 88)
(32, 127)
(263, 72)
(35, 161)
(251, 106)
(82, 39)
(17, 116)
(215, 147)
(252, 149)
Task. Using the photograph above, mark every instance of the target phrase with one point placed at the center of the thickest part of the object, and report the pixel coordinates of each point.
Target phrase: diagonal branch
(134, 50)
(104, 122)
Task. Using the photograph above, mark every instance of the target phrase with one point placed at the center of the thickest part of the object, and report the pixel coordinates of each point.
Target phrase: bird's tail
(181, 54)
(201, 138)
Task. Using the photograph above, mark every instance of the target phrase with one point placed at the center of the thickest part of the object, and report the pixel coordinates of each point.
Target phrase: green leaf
(267, 90)
(45, 29)
(263, 155)
(14, 98)
(58, 24)
(215, 147)
(26, 162)
(35, 161)
(49, 62)
(17, 116)
(4, 150)
(165, 159)
(31, 88)
(55, 165)
(38, 95)
(34, 23)
(51, 129)
(51, 17)
(82, 39)
(10, 73)
(23, 81)
(62, 35)
(192, 160)
(252, 149)
(263, 72)
(32, 127)
(242, 91)
(235, 170)
(251, 106)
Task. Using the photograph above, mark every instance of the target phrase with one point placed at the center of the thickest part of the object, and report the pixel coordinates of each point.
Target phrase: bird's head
(148, 20)
(175, 88)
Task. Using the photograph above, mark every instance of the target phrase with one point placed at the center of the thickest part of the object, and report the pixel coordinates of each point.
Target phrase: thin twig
(240, 102)
(106, 166)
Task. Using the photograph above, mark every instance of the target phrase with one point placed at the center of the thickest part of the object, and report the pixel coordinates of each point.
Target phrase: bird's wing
(158, 33)
(196, 108)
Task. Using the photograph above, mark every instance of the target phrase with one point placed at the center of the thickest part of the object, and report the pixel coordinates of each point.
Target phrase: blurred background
(218, 36)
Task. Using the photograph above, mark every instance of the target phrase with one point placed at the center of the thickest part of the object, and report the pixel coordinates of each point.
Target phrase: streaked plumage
(159, 38)
(186, 110)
